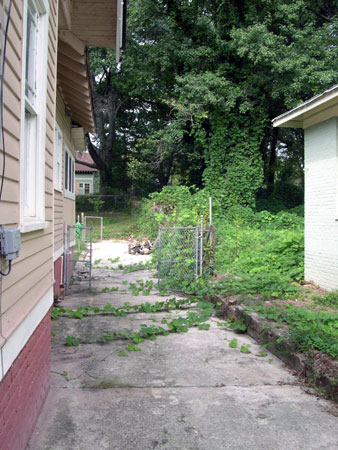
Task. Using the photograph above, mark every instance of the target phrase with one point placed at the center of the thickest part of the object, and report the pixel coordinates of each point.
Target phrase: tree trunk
(272, 161)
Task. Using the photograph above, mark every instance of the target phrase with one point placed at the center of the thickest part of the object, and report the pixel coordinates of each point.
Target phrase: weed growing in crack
(245, 348)
(167, 305)
(233, 343)
(71, 341)
(196, 318)
(237, 325)
(115, 260)
(107, 289)
(148, 265)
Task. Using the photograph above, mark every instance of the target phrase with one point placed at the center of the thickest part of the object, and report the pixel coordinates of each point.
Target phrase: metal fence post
(196, 252)
(201, 245)
(90, 256)
(159, 259)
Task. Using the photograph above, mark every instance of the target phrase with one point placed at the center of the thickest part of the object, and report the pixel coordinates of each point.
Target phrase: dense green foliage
(308, 329)
(261, 244)
(198, 86)
(96, 203)
(173, 206)
(329, 300)
(264, 251)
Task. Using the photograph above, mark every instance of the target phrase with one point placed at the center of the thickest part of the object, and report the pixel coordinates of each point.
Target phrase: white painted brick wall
(321, 213)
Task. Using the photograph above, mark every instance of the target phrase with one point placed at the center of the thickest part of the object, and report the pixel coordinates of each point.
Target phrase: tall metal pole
(90, 256)
(196, 252)
(83, 229)
(201, 248)
(159, 259)
(210, 220)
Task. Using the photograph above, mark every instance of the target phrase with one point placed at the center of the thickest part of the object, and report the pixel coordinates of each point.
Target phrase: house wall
(84, 178)
(64, 208)
(321, 204)
(26, 295)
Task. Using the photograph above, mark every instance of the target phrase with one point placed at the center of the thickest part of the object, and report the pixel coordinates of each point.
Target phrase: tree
(199, 84)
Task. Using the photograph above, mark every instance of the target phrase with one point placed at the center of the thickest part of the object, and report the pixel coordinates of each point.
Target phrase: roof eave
(311, 111)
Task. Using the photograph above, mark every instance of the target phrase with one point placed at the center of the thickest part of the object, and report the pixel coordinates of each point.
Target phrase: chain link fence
(179, 256)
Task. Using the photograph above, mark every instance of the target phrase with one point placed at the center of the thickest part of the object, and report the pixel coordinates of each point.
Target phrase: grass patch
(116, 225)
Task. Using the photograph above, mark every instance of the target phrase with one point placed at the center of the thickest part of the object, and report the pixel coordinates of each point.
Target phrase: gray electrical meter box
(10, 242)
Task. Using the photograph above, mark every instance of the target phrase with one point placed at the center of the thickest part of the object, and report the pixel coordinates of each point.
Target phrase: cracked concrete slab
(182, 391)
(195, 358)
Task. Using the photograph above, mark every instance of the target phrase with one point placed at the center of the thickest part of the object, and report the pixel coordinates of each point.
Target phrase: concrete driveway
(182, 391)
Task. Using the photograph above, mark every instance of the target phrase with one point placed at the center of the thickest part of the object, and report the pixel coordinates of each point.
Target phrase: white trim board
(37, 184)
(58, 253)
(17, 340)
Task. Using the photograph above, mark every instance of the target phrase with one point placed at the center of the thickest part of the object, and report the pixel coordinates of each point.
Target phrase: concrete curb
(319, 370)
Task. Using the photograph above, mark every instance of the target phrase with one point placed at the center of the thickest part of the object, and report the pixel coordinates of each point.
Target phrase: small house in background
(86, 178)
(319, 119)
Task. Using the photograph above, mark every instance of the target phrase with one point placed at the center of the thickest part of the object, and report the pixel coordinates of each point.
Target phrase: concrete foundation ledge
(317, 369)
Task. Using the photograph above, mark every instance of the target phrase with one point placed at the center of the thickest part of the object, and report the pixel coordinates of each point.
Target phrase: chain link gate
(179, 254)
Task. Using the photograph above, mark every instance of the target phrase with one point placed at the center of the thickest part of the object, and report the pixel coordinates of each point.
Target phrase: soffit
(82, 24)
(73, 81)
(93, 21)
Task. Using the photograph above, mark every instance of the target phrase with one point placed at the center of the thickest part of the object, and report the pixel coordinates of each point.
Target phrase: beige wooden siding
(12, 111)
(69, 214)
(64, 208)
(58, 220)
(64, 122)
(32, 272)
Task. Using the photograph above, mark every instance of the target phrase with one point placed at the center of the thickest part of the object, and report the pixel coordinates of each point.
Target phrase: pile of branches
(139, 247)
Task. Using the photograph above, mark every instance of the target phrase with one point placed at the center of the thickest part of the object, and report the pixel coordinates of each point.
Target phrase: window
(69, 175)
(87, 188)
(58, 152)
(33, 137)
(81, 185)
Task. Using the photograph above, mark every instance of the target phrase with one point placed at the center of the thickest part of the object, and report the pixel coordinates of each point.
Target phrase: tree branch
(99, 163)
(318, 14)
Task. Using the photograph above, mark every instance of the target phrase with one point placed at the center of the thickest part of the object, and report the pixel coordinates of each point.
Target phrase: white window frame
(69, 182)
(58, 154)
(33, 124)
(89, 188)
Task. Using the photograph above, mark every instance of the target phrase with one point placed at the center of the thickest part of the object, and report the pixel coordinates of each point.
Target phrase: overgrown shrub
(88, 203)
(308, 329)
(261, 243)
(285, 196)
(174, 206)
(264, 249)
